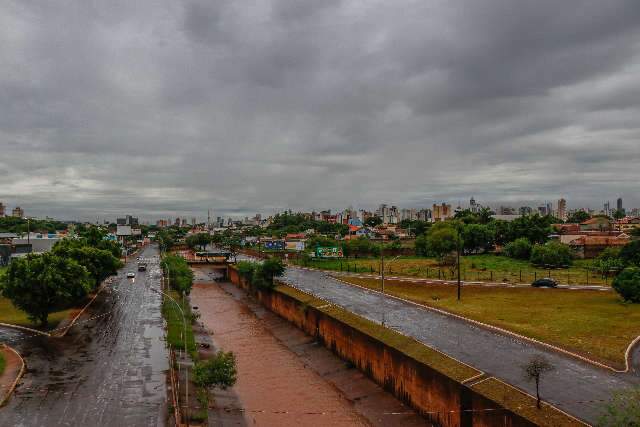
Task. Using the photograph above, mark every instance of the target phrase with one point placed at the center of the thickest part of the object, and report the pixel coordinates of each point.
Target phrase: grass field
(10, 314)
(595, 324)
(484, 267)
(175, 327)
(3, 363)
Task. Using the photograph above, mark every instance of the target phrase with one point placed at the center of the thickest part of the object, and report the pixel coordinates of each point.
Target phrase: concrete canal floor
(284, 377)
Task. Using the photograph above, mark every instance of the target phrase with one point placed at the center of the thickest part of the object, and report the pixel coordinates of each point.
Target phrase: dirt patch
(285, 378)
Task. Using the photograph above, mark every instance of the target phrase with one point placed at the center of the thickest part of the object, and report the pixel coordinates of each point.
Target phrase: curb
(73, 321)
(512, 334)
(468, 382)
(24, 328)
(13, 386)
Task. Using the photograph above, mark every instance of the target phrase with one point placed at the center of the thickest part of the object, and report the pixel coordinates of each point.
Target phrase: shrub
(627, 284)
(630, 253)
(179, 273)
(245, 269)
(518, 249)
(219, 371)
(552, 254)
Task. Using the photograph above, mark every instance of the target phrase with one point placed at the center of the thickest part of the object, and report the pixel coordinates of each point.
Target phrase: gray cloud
(171, 108)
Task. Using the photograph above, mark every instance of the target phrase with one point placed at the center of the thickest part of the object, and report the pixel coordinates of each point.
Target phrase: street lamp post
(382, 278)
(184, 324)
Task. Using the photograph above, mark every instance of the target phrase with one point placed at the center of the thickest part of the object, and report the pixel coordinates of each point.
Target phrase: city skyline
(176, 107)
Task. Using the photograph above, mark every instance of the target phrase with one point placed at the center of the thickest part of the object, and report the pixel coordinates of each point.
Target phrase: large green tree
(630, 253)
(442, 239)
(42, 284)
(577, 217)
(477, 237)
(627, 284)
(552, 254)
(99, 263)
(200, 240)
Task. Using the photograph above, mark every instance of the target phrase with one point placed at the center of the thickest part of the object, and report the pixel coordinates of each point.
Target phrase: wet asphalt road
(576, 387)
(108, 371)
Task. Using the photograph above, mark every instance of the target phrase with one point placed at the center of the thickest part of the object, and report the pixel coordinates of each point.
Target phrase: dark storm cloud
(172, 108)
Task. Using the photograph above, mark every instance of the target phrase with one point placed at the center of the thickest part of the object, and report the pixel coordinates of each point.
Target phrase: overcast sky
(165, 108)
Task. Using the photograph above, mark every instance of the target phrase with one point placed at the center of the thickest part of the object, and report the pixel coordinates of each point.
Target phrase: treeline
(479, 233)
(287, 222)
(40, 284)
(16, 225)
(178, 273)
(261, 274)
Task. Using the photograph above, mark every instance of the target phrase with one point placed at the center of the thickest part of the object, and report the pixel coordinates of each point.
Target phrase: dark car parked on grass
(545, 282)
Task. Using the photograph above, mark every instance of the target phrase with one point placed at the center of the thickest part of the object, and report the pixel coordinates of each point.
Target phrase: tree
(99, 263)
(630, 253)
(219, 371)
(608, 260)
(200, 240)
(42, 284)
(93, 235)
(442, 240)
(619, 214)
(578, 217)
(421, 245)
(476, 237)
(166, 239)
(518, 249)
(112, 246)
(271, 268)
(537, 367)
(552, 254)
(179, 274)
(627, 284)
(233, 245)
(622, 410)
(373, 221)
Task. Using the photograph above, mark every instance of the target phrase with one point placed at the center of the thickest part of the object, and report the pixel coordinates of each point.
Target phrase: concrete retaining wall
(440, 398)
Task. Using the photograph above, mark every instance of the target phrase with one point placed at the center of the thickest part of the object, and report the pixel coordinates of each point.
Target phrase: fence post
(520, 275)
(439, 273)
(491, 275)
(535, 275)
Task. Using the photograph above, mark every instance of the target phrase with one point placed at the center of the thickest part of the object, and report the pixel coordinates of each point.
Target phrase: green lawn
(3, 363)
(593, 323)
(484, 267)
(10, 314)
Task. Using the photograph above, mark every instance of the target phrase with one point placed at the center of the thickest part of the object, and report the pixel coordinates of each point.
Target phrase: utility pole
(458, 259)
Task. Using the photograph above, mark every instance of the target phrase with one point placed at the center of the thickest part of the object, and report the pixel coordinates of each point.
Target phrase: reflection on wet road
(108, 371)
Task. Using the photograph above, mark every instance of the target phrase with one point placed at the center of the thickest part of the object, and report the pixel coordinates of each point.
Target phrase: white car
(131, 274)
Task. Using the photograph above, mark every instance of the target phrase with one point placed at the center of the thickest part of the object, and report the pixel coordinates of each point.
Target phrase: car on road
(545, 282)
(131, 274)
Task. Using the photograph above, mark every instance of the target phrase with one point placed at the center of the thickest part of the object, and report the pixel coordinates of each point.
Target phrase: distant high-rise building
(525, 210)
(473, 205)
(17, 212)
(619, 204)
(562, 209)
(506, 210)
(1, 210)
(441, 212)
(607, 209)
(127, 220)
(193, 221)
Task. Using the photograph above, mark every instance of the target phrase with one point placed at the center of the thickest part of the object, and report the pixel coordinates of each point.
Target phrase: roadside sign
(328, 252)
